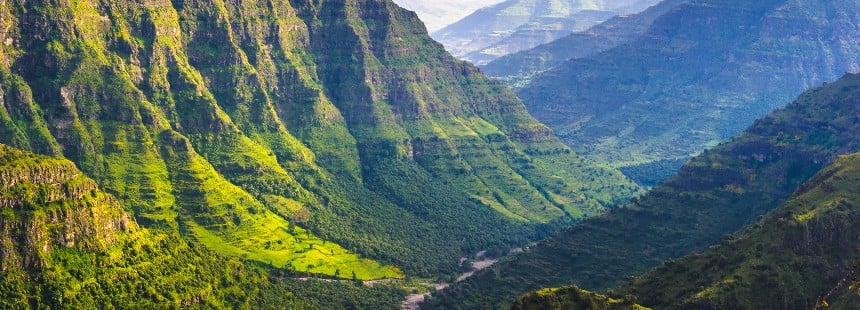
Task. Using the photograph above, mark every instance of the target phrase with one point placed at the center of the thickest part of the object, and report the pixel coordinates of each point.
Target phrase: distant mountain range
(436, 14)
(518, 68)
(699, 74)
(516, 25)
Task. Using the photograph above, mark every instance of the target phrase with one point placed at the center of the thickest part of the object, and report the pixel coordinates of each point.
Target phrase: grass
(270, 240)
(229, 220)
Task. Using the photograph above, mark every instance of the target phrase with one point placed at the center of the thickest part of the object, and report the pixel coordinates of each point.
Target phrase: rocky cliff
(330, 137)
(66, 244)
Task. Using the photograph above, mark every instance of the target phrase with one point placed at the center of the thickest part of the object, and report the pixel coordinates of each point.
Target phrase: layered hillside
(436, 14)
(715, 194)
(789, 260)
(330, 137)
(67, 244)
(700, 74)
(517, 69)
(517, 25)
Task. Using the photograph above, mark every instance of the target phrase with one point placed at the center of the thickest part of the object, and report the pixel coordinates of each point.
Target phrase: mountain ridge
(516, 25)
(438, 14)
(517, 69)
(802, 255)
(700, 74)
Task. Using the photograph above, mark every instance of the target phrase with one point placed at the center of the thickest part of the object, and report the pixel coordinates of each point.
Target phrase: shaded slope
(787, 261)
(284, 131)
(517, 69)
(699, 75)
(714, 194)
(67, 244)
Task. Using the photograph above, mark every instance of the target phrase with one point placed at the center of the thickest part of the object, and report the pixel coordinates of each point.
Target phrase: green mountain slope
(787, 260)
(67, 244)
(517, 25)
(699, 75)
(715, 194)
(330, 137)
(517, 69)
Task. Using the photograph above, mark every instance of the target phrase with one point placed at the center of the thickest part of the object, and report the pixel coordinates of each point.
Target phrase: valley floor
(413, 301)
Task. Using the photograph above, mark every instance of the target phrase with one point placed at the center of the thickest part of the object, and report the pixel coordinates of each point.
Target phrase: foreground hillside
(327, 137)
(804, 254)
(67, 244)
(715, 194)
(700, 74)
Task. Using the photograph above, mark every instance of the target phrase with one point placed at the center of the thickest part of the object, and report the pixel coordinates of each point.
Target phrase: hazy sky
(437, 14)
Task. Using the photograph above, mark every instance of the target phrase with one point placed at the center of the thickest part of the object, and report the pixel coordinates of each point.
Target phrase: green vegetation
(69, 245)
(696, 74)
(715, 194)
(804, 254)
(571, 298)
(330, 138)
(788, 260)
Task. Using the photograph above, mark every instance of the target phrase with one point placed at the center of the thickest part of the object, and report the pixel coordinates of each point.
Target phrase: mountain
(436, 14)
(788, 260)
(801, 256)
(700, 74)
(518, 68)
(714, 194)
(68, 244)
(333, 138)
(516, 25)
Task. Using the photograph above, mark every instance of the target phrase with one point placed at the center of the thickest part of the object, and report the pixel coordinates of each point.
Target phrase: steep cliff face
(67, 244)
(47, 204)
(699, 75)
(714, 194)
(299, 134)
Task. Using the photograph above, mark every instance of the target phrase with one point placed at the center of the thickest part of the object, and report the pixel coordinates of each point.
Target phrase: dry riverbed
(413, 301)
